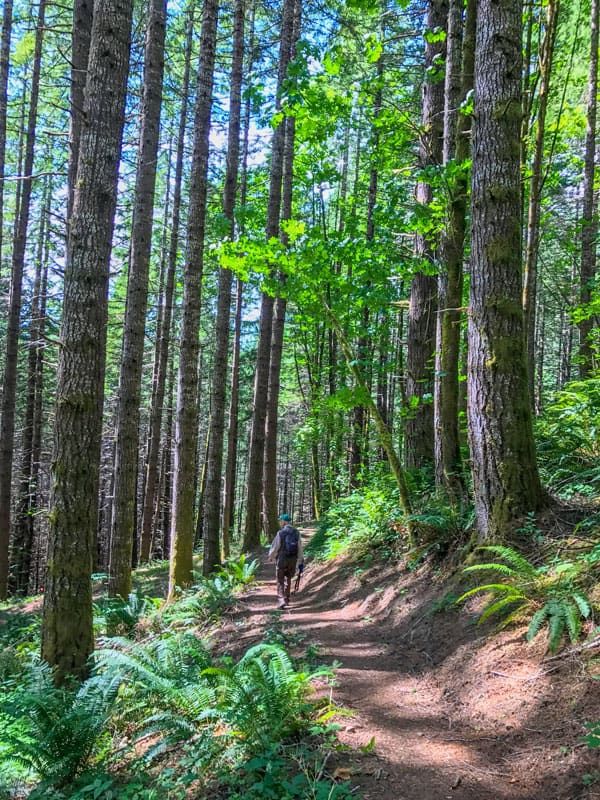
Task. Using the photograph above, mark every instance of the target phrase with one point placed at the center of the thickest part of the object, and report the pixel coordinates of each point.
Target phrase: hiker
(286, 551)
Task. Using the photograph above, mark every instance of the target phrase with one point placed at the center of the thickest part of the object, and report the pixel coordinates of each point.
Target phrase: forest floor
(455, 710)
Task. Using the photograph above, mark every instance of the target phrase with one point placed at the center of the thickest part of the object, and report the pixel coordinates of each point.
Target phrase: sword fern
(549, 595)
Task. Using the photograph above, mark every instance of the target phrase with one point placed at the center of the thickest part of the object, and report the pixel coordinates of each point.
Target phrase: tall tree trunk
(589, 222)
(212, 547)
(232, 431)
(67, 633)
(360, 417)
(535, 190)
(261, 380)
(4, 69)
(270, 493)
(83, 14)
(423, 290)
(186, 423)
(164, 508)
(22, 546)
(164, 333)
(7, 426)
(130, 376)
(505, 477)
(459, 82)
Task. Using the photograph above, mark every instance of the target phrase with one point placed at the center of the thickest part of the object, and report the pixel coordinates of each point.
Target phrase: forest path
(450, 718)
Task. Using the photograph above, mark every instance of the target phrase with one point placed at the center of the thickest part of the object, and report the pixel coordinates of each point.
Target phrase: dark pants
(286, 568)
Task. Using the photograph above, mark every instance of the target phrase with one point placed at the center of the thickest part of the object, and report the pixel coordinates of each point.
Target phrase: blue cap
(285, 517)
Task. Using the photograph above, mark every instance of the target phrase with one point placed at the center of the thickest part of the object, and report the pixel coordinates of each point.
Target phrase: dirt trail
(453, 714)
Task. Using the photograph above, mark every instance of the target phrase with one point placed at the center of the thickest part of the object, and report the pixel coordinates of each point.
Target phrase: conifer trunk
(186, 421)
(9, 385)
(130, 377)
(4, 69)
(83, 14)
(536, 185)
(22, 547)
(459, 82)
(589, 221)
(270, 493)
(67, 632)
(232, 430)
(505, 478)
(423, 291)
(254, 500)
(212, 548)
(164, 332)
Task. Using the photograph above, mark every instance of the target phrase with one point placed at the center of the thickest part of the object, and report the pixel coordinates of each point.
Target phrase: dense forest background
(259, 257)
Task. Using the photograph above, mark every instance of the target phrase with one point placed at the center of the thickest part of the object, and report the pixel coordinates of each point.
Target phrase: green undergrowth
(161, 716)
(369, 524)
(568, 437)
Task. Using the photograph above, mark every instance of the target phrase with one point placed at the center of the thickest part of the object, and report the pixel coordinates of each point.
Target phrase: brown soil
(455, 711)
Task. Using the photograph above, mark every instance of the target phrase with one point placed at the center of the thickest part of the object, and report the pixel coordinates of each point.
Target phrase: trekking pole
(298, 577)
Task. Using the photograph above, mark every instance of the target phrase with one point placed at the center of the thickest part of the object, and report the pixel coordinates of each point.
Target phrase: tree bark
(212, 547)
(535, 191)
(232, 431)
(83, 14)
(4, 69)
(254, 499)
(423, 291)
(505, 477)
(270, 493)
(67, 633)
(22, 546)
(459, 82)
(130, 377)
(589, 222)
(186, 422)
(164, 333)
(360, 416)
(7, 426)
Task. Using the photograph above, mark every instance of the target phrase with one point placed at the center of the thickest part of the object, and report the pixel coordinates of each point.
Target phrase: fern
(58, 729)
(262, 698)
(572, 619)
(503, 605)
(521, 565)
(556, 624)
(563, 616)
(166, 693)
(242, 571)
(118, 616)
(548, 593)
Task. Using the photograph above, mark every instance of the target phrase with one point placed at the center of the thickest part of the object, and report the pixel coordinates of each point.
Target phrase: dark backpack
(289, 542)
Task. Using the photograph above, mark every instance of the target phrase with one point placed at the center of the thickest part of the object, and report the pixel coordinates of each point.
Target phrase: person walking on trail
(286, 550)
